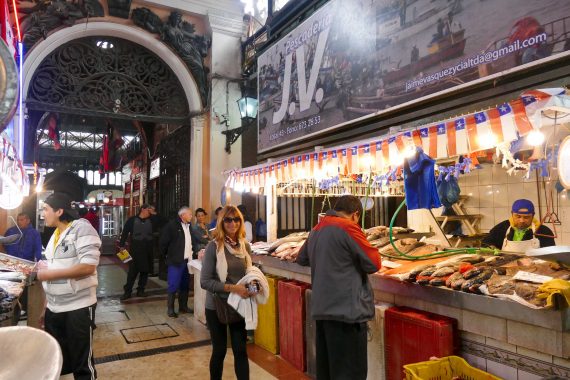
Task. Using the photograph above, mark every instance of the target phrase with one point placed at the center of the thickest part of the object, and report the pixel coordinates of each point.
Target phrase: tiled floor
(127, 332)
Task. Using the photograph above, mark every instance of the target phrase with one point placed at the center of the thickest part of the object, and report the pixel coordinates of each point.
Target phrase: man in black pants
(69, 278)
(139, 228)
(342, 300)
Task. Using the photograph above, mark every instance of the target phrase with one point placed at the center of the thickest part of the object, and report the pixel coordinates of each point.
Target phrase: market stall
(15, 275)
(507, 305)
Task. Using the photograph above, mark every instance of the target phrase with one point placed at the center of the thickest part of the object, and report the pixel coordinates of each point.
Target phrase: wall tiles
(515, 191)
(486, 196)
(485, 176)
(473, 193)
(488, 220)
(531, 192)
(500, 370)
(501, 196)
(502, 213)
(500, 175)
(472, 178)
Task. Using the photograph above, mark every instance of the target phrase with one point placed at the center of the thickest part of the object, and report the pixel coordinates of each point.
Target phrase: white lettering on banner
(306, 91)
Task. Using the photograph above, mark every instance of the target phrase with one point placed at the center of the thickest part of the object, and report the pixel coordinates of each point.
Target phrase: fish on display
(417, 270)
(477, 280)
(445, 271)
(454, 277)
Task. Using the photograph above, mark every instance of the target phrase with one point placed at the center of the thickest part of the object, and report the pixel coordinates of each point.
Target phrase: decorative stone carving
(107, 76)
(180, 36)
(119, 8)
(47, 15)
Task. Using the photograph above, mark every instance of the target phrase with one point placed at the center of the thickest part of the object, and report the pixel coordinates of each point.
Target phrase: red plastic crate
(413, 336)
(291, 296)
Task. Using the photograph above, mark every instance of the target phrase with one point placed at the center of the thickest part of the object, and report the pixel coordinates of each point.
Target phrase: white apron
(520, 246)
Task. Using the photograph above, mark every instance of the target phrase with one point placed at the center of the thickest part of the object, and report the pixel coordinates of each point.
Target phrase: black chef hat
(61, 201)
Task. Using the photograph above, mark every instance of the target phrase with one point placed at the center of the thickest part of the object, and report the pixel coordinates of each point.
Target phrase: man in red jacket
(342, 301)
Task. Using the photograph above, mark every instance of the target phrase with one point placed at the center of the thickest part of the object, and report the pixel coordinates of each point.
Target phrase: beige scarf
(221, 262)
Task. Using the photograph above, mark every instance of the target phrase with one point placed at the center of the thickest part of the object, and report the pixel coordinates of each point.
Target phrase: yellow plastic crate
(445, 369)
(266, 334)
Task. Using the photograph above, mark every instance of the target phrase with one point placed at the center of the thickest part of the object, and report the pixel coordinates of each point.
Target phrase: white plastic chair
(29, 353)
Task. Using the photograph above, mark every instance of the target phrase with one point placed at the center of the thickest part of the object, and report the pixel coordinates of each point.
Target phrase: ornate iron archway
(108, 77)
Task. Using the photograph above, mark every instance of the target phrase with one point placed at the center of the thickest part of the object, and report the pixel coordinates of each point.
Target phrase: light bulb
(488, 140)
(535, 137)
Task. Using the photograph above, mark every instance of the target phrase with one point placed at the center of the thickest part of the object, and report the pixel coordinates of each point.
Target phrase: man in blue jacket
(29, 247)
(341, 258)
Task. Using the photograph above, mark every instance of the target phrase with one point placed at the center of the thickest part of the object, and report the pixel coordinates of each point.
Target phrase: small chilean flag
(544, 98)
(424, 133)
(472, 133)
(393, 151)
(272, 171)
(307, 166)
(485, 136)
(461, 145)
(324, 163)
(343, 161)
(290, 166)
(298, 167)
(521, 119)
(353, 159)
(503, 123)
(372, 155)
(379, 158)
(334, 164)
(278, 173)
(364, 160)
(441, 141)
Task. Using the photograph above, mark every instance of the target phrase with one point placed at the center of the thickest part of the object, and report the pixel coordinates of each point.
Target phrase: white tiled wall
(492, 192)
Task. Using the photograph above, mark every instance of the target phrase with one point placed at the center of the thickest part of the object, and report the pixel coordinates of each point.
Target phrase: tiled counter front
(501, 337)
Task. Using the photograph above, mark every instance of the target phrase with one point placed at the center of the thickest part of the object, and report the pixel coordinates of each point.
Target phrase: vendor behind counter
(521, 231)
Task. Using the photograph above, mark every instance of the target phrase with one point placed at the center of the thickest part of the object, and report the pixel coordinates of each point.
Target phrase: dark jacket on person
(198, 240)
(173, 241)
(138, 229)
(497, 235)
(340, 258)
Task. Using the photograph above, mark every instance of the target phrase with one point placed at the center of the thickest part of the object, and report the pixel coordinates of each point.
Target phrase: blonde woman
(225, 262)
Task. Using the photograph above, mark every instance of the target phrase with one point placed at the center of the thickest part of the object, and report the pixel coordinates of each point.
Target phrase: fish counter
(505, 314)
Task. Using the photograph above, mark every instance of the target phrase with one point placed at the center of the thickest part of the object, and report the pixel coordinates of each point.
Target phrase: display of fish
(454, 277)
(445, 271)
(285, 246)
(380, 242)
(456, 284)
(403, 245)
(499, 284)
(424, 250)
(294, 237)
(417, 270)
(439, 281)
(472, 272)
(479, 279)
(528, 291)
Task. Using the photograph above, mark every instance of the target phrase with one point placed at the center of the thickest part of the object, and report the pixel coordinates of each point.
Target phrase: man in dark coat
(176, 248)
(139, 228)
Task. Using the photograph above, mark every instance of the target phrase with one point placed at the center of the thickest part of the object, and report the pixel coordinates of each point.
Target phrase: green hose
(451, 252)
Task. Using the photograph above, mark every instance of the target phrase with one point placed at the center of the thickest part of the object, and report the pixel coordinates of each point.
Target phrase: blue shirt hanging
(419, 182)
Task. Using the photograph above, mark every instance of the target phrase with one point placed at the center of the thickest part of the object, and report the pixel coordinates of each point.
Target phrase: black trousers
(132, 276)
(341, 350)
(73, 330)
(219, 335)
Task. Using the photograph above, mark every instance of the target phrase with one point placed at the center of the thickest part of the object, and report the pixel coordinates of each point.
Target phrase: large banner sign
(354, 58)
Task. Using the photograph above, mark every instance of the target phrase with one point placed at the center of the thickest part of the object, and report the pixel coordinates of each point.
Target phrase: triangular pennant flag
(441, 141)
(506, 117)
(472, 133)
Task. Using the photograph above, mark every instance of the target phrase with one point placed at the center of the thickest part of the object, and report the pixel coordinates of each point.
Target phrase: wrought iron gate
(174, 184)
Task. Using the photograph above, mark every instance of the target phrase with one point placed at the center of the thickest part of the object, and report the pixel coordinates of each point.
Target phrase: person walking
(139, 229)
(69, 278)
(176, 248)
(340, 258)
(225, 262)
